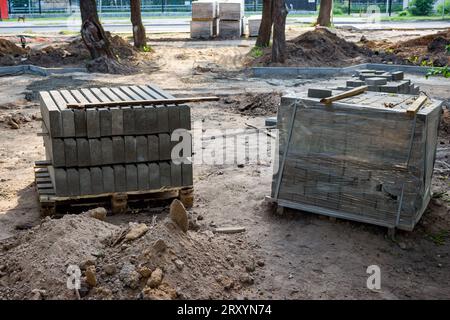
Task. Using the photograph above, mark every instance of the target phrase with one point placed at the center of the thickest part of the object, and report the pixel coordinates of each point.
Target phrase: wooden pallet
(118, 202)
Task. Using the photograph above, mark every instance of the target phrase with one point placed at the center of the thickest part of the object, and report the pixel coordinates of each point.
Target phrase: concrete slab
(96, 180)
(83, 152)
(141, 149)
(132, 177)
(154, 176)
(73, 182)
(105, 122)
(130, 149)
(95, 150)
(120, 178)
(118, 150)
(143, 176)
(153, 148)
(70, 152)
(85, 181)
(108, 179)
(107, 150)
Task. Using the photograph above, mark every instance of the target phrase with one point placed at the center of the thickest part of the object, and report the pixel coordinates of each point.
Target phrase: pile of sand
(151, 261)
(318, 48)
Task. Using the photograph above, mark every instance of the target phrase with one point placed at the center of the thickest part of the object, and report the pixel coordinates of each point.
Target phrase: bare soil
(297, 256)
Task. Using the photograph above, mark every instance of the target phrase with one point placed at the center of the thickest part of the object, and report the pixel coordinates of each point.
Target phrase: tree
(265, 29)
(139, 37)
(421, 7)
(280, 12)
(324, 19)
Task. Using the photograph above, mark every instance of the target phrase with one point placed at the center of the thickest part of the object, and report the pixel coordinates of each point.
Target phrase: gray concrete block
(373, 88)
(141, 149)
(187, 174)
(70, 152)
(68, 122)
(185, 117)
(80, 123)
(355, 83)
(151, 119)
(174, 117)
(83, 152)
(107, 150)
(128, 120)
(60, 182)
(116, 121)
(118, 150)
(132, 177)
(165, 174)
(85, 181)
(120, 178)
(73, 182)
(175, 175)
(391, 87)
(108, 179)
(163, 118)
(105, 122)
(143, 176)
(153, 148)
(95, 149)
(140, 120)
(92, 123)
(375, 81)
(58, 153)
(397, 75)
(164, 146)
(154, 176)
(319, 93)
(364, 76)
(96, 180)
(130, 149)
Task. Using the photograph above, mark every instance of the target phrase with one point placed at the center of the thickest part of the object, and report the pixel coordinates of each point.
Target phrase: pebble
(246, 278)
(155, 279)
(145, 272)
(179, 215)
(179, 264)
(159, 245)
(110, 269)
(91, 278)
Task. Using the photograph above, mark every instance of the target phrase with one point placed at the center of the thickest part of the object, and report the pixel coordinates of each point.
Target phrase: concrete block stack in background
(112, 149)
(204, 19)
(253, 26)
(231, 18)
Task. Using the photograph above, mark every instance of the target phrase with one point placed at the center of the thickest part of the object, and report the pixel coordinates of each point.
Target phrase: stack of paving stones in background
(231, 19)
(382, 81)
(112, 149)
(253, 26)
(204, 19)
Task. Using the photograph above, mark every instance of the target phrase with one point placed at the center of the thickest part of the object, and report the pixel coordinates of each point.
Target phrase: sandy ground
(306, 256)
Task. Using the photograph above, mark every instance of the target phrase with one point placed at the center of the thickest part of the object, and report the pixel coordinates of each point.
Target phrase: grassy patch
(68, 32)
(256, 52)
(439, 237)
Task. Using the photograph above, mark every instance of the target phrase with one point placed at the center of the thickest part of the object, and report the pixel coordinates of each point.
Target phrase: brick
(116, 121)
(319, 93)
(85, 181)
(128, 120)
(154, 176)
(120, 178)
(80, 123)
(355, 83)
(108, 179)
(70, 151)
(164, 146)
(96, 180)
(73, 182)
(164, 174)
(95, 150)
(92, 123)
(391, 87)
(375, 81)
(397, 75)
(153, 148)
(141, 149)
(132, 177)
(143, 176)
(118, 150)
(68, 122)
(107, 150)
(83, 152)
(105, 122)
(130, 149)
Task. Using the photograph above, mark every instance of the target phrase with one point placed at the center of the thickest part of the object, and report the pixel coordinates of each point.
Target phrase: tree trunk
(139, 37)
(324, 18)
(279, 36)
(92, 32)
(265, 29)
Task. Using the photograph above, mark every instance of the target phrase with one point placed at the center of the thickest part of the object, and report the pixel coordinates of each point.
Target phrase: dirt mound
(254, 104)
(8, 47)
(429, 50)
(138, 261)
(318, 48)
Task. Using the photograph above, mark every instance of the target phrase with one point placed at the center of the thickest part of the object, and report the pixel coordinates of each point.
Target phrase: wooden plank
(416, 105)
(141, 102)
(345, 94)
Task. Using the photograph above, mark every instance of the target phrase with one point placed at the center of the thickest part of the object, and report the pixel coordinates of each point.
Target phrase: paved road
(171, 25)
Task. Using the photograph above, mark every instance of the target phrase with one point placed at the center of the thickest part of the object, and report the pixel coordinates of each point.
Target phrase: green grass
(256, 52)
(439, 237)
(415, 18)
(68, 32)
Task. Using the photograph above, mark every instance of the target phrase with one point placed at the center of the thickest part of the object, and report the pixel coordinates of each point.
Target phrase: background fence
(122, 7)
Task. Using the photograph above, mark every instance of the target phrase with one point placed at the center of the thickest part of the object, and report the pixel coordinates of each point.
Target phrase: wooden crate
(357, 159)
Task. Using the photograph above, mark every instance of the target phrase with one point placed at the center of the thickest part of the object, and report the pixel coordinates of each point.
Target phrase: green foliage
(447, 48)
(147, 48)
(438, 71)
(441, 5)
(339, 8)
(439, 237)
(421, 7)
(256, 52)
(403, 13)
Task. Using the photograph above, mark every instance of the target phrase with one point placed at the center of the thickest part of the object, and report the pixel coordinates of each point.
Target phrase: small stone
(129, 276)
(155, 279)
(110, 269)
(145, 272)
(260, 263)
(159, 245)
(163, 292)
(87, 263)
(179, 264)
(250, 267)
(200, 217)
(91, 278)
(402, 245)
(179, 215)
(240, 165)
(136, 231)
(38, 294)
(246, 278)
(97, 213)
